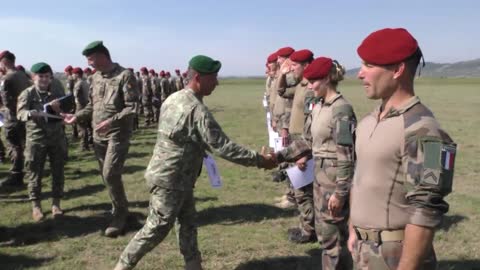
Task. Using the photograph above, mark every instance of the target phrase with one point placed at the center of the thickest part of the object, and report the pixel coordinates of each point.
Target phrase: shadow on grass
(459, 265)
(70, 194)
(133, 169)
(236, 214)
(21, 261)
(308, 262)
(137, 155)
(67, 226)
(205, 199)
(104, 206)
(75, 173)
(452, 221)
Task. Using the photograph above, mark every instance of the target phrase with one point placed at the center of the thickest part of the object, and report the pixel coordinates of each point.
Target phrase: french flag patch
(448, 157)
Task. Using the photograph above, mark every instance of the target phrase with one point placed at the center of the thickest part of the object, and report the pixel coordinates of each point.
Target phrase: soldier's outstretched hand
(269, 160)
(69, 118)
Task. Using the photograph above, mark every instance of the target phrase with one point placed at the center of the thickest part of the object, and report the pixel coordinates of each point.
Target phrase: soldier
(184, 78)
(280, 123)
(87, 72)
(45, 138)
(329, 137)
(157, 98)
(111, 107)
(165, 85)
(11, 85)
(178, 80)
(147, 95)
(69, 83)
(405, 161)
(171, 81)
(271, 75)
(81, 92)
(186, 132)
(295, 118)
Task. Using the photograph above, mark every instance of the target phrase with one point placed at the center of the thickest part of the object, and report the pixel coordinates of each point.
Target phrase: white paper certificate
(212, 170)
(301, 178)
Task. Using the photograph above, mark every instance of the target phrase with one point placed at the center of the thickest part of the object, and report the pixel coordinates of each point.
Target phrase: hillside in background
(469, 68)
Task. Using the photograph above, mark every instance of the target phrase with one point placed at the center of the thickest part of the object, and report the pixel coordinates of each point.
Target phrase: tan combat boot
(194, 265)
(285, 204)
(116, 226)
(37, 214)
(280, 198)
(56, 210)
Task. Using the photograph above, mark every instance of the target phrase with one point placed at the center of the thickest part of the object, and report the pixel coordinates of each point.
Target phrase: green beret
(41, 68)
(95, 46)
(204, 64)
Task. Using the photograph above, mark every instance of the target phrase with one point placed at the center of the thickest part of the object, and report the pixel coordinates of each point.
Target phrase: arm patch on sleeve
(438, 164)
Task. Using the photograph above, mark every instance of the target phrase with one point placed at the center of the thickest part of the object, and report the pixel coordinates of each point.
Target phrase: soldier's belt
(379, 236)
(326, 162)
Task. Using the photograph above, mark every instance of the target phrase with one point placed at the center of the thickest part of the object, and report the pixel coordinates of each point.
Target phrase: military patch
(448, 157)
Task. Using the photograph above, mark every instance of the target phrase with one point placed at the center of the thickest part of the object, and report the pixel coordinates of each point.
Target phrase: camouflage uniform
(11, 85)
(70, 83)
(186, 132)
(81, 91)
(173, 85)
(147, 95)
(45, 137)
(297, 116)
(179, 83)
(157, 98)
(404, 183)
(113, 96)
(165, 88)
(328, 135)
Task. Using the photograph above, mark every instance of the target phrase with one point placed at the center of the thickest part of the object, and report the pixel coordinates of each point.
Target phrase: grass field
(239, 227)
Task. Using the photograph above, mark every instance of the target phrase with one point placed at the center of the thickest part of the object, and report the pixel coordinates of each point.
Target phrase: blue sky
(241, 34)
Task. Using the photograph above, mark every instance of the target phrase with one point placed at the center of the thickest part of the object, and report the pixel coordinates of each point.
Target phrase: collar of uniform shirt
(109, 73)
(402, 109)
(332, 100)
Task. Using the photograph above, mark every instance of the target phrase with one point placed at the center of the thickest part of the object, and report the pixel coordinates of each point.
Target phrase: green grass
(239, 226)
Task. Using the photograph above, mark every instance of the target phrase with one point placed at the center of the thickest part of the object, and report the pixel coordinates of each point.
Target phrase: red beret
(87, 70)
(8, 55)
(93, 71)
(177, 70)
(272, 58)
(318, 69)
(152, 71)
(184, 74)
(387, 46)
(144, 70)
(302, 56)
(285, 52)
(68, 68)
(77, 70)
(167, 73)
(162, 73)
(20, 68)
(131, 69)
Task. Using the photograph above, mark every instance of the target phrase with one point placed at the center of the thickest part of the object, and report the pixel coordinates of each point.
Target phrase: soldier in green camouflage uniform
(111, 108)
(165, 85)
(171, 81)
(328, 137)
(69, 84)
(11, 85)
(405, 162)
(185, 133)
(45, 138)
(157, 98)
(81, 92)
(147, 95)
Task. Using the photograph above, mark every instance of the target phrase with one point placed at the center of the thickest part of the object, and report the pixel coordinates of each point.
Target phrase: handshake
(268, 161)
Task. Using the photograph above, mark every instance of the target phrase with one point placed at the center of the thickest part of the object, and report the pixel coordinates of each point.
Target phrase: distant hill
(469, 68)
